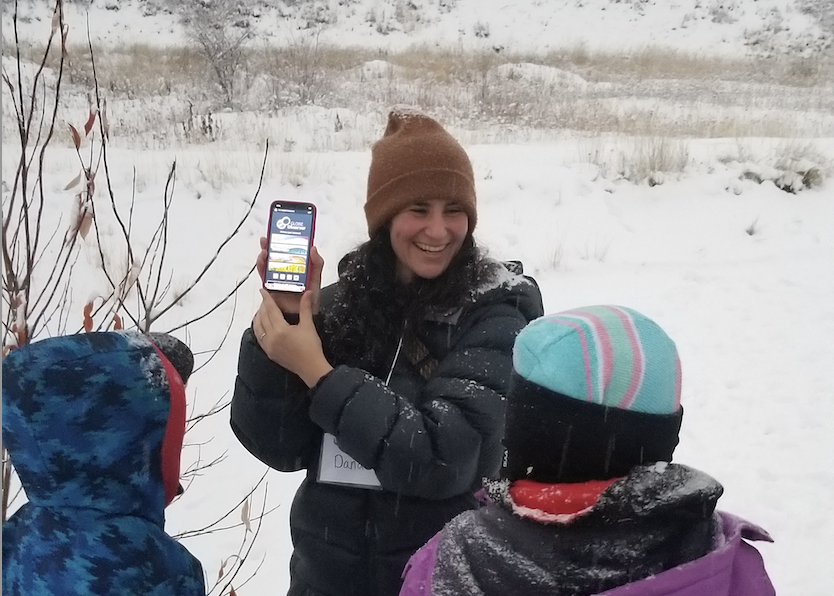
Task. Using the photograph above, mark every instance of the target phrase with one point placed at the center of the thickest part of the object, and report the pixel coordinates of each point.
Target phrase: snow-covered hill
(727, 27)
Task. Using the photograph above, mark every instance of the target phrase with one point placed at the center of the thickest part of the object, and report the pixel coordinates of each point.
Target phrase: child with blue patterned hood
(94, 425)
(589, 502)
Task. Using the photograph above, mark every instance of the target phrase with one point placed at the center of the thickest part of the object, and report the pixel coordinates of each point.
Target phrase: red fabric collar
(558, 499)
(174, 431)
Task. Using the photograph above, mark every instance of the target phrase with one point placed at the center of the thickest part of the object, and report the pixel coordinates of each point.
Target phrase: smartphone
(289, 239)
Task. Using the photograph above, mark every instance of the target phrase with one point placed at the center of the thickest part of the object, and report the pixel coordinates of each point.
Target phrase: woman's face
(426, 236)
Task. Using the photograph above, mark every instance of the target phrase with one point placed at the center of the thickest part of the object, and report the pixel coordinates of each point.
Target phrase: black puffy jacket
(430, 441)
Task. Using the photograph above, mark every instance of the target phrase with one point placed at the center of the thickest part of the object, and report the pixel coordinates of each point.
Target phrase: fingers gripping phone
(289, 239)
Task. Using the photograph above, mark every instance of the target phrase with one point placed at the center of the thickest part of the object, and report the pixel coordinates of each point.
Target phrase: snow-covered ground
(738, 271)
(726, 27)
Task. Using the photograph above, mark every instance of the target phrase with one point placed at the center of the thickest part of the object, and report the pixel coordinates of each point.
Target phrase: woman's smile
(426, 237)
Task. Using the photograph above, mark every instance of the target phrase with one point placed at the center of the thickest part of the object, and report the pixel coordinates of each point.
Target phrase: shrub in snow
(800, 166)
(795, 168)
(798, 174)
(221, 35)
(723, 12)
(446, 5)
(316, 14)
(481, 30)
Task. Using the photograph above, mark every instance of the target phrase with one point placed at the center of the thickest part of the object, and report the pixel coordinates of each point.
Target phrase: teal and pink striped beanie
(595, 391)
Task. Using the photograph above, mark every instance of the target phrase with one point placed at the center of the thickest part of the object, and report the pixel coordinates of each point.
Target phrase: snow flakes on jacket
(652, 533)
(647, 522)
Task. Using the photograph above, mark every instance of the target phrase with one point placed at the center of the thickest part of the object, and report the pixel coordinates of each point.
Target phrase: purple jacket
(732, 567)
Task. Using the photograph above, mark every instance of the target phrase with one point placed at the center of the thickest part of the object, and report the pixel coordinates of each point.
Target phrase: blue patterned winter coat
(94, 426)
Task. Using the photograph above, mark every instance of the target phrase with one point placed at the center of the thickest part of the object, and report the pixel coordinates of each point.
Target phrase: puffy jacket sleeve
(441, 444)
(269, 412)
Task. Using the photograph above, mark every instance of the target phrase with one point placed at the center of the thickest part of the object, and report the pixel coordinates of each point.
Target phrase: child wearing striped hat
(589, 501)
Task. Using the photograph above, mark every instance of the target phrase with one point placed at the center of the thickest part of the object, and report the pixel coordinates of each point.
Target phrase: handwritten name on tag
(337, 467)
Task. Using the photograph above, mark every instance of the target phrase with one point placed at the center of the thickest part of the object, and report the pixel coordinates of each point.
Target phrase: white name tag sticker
(337, 467)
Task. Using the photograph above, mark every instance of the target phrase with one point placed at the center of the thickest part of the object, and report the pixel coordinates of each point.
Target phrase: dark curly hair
(371, 308)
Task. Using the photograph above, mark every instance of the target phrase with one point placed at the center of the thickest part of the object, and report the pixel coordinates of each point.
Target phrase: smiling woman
(426, 236)
(389, 386)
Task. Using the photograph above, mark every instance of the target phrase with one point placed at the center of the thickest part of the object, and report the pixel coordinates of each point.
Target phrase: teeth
(429, 248)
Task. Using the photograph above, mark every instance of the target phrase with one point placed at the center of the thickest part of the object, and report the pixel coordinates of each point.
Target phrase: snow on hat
(177, 353)
(416, 159)
(595, 391)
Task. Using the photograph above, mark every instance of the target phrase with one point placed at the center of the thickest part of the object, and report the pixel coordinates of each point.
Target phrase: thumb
(317, 263)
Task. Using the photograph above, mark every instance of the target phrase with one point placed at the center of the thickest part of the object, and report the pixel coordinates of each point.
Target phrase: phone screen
(289, 240)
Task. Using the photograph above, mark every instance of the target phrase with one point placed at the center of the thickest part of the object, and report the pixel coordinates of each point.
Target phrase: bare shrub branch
(38, 292)
(217, 29)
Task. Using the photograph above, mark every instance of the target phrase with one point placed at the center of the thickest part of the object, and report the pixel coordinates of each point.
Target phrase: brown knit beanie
(416, 159)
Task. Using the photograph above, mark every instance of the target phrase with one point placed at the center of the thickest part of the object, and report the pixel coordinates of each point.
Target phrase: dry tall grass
(649, 92)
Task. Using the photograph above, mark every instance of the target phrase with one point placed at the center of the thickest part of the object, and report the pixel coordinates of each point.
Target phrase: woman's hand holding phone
(295, 347)
(289, 302)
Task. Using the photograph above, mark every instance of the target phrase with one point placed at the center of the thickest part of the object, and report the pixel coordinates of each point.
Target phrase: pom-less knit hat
(416, 159)
(595, 391)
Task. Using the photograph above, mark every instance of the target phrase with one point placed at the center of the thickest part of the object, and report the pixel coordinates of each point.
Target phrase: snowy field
(739, 271)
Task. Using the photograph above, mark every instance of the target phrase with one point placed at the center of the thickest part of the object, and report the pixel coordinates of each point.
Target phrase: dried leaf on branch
(88, 126)
(76, 138)
(74, 182)
(88, 316)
